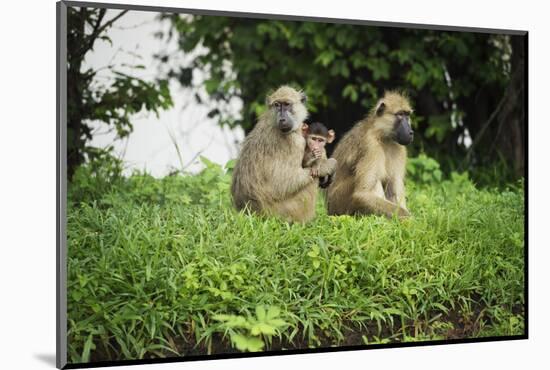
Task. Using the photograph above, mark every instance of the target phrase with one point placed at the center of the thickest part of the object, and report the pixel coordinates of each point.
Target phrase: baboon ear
(380, 109)
(303, 97)
(331, 136)
(267, 101)
(305, 129)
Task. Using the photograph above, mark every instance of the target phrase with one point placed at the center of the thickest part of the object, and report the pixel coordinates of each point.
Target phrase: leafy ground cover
(165, 267)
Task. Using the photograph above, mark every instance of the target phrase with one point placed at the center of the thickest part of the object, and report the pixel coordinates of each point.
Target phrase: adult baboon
(371, 162)
(268, 177)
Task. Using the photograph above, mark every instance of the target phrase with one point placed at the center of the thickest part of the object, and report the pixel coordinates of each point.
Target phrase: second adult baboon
(268, 177)
(371, 162)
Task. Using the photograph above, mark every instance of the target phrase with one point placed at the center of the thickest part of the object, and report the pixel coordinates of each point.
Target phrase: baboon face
(317, 136)
(402, 128)
(394, 113)
(287, 109)
(316, 142)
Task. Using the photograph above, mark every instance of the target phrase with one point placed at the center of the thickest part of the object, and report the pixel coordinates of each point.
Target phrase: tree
(88, 99)
(455, 79)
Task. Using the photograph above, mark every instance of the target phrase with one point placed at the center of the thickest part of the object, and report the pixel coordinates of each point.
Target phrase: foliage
(89, 99)
(266, 323)
(455, 79)
(101, 182)
(164, 267)
(423, 169)
(98, 177)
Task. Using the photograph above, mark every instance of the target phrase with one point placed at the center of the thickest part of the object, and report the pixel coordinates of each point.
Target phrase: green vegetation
(463, 84)
(90, 96)
(165, 267)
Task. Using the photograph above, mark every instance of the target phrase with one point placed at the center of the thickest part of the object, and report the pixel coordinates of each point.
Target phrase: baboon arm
(327, 167)
(285, 185)
(397, 189)
(308, 161)
(365, 202)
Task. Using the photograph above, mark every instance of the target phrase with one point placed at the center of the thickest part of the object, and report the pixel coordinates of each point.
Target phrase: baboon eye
(402, 114)
(277, 104)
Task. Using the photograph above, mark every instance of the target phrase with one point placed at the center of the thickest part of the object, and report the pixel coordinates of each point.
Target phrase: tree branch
(492, 117)
(108, 24)
(99, 29)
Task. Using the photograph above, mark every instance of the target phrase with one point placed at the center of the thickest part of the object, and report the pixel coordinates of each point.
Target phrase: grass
(165, 267)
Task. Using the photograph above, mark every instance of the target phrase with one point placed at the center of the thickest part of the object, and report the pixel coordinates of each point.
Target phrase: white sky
(149, 146)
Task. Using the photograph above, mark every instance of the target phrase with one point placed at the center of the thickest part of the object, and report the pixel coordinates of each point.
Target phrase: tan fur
(319, 165)
(268, 177)
(322, 164)
(310, 160)
(371, 166)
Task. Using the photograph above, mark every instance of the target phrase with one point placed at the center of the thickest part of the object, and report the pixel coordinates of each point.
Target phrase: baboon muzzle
(284, 121)
(404, 134)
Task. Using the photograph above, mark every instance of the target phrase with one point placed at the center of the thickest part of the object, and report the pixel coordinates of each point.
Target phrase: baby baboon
(317, 136)
(268, 177)
(371, 162)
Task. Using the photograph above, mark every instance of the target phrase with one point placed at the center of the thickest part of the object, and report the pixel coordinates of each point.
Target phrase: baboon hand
(315, 171)
(327, 168)
(403, 213)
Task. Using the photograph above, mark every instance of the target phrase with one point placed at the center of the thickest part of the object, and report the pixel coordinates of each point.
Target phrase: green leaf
(232, 321)
(230, 164)
(439, 126)
(244, 343)
(260, 313)
(319, 41)
(351, 92)
(325, 58)
(273, 312)
(88, 346)
(211, 85)
(262, 328)
(314, 251)
(277, 323)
